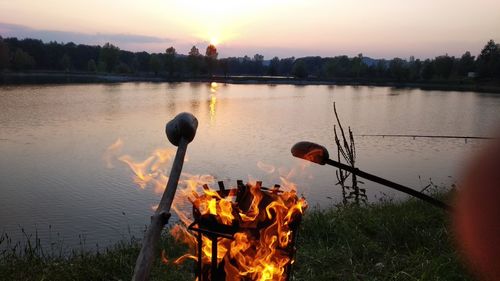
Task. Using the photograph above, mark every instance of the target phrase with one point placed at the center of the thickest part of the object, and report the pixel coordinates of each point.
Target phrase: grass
(115, 263)
(384, 241)
(387, 241)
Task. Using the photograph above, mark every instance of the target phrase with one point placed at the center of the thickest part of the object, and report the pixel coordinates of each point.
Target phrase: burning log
(180, 132)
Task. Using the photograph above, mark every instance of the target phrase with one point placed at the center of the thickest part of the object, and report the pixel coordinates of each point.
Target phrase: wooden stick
(160, 218)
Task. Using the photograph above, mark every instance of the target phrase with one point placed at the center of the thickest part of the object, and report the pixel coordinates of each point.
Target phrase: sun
(214, 41)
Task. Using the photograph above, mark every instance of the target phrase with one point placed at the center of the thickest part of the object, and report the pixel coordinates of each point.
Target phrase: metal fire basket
(209, 227)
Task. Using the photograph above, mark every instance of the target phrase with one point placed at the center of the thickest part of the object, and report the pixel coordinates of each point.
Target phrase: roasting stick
(180, 132)
(319, 154)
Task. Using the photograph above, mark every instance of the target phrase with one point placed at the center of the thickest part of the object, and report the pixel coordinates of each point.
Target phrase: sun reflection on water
(213, 101)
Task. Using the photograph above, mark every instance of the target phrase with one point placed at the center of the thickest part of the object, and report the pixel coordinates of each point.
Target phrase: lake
(54, 139)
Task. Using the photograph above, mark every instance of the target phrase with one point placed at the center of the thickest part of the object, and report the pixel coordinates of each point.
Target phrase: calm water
(52, 140)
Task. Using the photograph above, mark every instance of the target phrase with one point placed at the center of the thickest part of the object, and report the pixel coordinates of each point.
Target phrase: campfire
(243, 233)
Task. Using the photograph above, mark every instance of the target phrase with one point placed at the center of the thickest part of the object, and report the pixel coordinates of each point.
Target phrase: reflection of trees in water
(112, 105)
(195, 97)
(195, 85)
(194, 106)
(173, 85)
(112, 96)
(171, 106)
(171, 100)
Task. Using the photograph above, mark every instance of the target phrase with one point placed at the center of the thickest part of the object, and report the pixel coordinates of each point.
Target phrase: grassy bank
(386, 241)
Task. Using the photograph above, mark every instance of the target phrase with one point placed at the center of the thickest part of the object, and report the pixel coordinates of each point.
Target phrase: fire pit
(245, 233)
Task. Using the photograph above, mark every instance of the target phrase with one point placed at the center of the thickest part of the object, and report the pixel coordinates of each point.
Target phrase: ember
(243, 233)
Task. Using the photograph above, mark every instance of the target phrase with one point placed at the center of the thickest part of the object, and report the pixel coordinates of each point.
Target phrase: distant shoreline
(30, 78)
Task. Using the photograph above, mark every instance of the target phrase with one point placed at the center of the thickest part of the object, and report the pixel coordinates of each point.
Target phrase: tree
(286, 65)
(258, 61)
(340, 66)
(141, 62)
(245, 65)
(415, 66)
(466, 64)
(66, 62)
(4, 55)
(101, 66)
(398, 69)
(109, 55)
(273, 66)
(194, 52)
(312, 65)
(22, 60)
(328, 70)
(357, 66)
(170, 60)
(91, 66)
(381, 68)
(194, 60)
(428, 70)
(123, 68)
(211, 58)
(489, 61)
(443, 66)
(299, 69)
(81, 55)
(224, 65)
(211, 52)
(155, 64)
(35, 50)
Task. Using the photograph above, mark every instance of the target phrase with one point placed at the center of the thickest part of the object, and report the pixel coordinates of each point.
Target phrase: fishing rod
(428, 136)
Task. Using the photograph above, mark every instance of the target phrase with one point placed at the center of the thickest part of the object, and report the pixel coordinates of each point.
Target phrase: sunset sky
(376, 28)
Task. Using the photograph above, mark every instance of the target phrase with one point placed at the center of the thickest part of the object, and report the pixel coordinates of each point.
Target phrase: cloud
(21, 31)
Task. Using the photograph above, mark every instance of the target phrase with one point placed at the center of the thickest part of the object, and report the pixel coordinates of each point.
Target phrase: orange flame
(142, 177)
(266, 167)
(261, 249)
(111, 152)
(150, 171)
(256, 253)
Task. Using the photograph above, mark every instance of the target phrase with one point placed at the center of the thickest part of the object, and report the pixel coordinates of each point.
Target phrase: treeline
(485, 66)
(34, 55)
